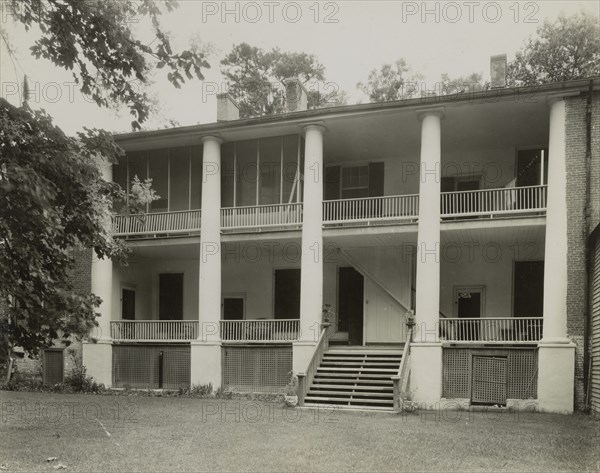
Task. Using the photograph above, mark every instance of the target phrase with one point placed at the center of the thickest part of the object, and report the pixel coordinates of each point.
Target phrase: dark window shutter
(376, 175)
(332, 182)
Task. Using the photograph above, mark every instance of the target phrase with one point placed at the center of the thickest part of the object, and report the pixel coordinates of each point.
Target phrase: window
(354, 182)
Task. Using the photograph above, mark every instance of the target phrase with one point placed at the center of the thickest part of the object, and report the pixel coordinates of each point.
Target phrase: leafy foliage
(93, 39)
(52, 200)
(255, 77)
(463, 84)
(391, 82)
(566, 49)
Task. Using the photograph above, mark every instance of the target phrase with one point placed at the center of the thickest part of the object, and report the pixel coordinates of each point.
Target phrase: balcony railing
(371, 210)
(154, 330)
(185, 221)
(490, 202)
(261, 331)
(343, 212)
(497, 330)
(262, 216)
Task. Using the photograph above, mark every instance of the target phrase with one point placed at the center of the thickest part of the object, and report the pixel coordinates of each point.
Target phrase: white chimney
(296, 95)
(498, 67)
(227, 108)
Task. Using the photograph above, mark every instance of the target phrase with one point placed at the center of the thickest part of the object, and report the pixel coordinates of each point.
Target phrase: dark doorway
(233, 308)
(287, 294)
(528, 289)
(350, 304)
(127, 304)
(468, 307)
(528, 297)
(170, 296)
(529, 167)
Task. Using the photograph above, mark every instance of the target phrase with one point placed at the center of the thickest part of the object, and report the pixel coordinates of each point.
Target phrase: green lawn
(120, 433)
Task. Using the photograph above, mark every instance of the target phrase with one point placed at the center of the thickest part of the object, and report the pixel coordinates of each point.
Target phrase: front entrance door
(469, 305)
(350, 304)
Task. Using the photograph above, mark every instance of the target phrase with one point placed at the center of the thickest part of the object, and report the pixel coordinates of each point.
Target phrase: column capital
(318, 125)
(425, 112)
(214, 138)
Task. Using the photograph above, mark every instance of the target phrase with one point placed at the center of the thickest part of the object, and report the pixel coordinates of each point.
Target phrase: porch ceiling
(519, 231)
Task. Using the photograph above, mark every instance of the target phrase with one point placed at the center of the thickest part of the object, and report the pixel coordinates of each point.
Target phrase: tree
(255, 78)
(461, 85)
(390, 82)
(53, 199)
(93, 39)
(568, 48)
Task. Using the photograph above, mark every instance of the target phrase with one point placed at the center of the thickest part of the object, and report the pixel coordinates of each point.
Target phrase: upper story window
(263, 171)
(354, 181)
(176, 175)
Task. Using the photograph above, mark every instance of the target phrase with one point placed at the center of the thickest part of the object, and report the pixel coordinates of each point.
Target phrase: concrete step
(349, 393)
(386, 389)
(323, 399)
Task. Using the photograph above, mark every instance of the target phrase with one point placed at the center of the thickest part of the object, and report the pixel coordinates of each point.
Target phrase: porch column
(97, 357)
(556, 351)
(426, 357)
(206, 350)
(311, 275)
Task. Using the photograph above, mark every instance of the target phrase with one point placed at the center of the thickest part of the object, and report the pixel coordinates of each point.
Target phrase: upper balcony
(361, 212)
(494, 164)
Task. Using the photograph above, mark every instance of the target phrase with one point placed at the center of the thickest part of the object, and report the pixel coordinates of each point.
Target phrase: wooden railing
(151, 330)
(153, 223)
(401, 379)
(263, 331)
(492, 202)
(306, 378)
(261, 216)
(371, 209)
(520, 330)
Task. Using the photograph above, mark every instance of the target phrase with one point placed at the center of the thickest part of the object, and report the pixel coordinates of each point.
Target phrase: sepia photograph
(307, 236)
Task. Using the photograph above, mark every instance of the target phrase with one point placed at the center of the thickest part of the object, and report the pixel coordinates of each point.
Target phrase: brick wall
(81, 279)
(576, 231)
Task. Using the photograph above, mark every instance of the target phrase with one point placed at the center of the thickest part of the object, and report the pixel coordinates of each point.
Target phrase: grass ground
(120, 433)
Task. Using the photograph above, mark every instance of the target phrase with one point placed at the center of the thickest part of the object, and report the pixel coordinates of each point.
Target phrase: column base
(206, 364)
(97, 359)
(426, 374)
(556, 377)
(302, 352)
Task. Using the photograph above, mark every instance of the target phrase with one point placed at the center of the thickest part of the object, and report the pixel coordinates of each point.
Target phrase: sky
(350, 38)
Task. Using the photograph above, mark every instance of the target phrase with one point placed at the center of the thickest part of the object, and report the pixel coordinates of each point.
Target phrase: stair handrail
(306, 378)
(400, 380)
(365, 273)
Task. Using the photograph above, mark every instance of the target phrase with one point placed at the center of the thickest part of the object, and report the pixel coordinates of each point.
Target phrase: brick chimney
(227, 108)
(296, 95)
(498, 68)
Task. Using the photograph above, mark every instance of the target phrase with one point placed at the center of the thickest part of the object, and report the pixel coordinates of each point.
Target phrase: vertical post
(206, 350)
(311, 276)
(97, 357)
(426, 360)
(556, 371)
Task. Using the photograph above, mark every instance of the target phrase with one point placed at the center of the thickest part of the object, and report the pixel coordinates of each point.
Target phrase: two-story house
(467, 210)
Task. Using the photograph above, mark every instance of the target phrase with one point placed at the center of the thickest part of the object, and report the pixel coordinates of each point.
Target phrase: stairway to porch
(355, 378)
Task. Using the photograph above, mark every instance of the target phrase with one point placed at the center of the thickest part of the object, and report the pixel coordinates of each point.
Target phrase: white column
(97, 357)
(426, 357)
(556, 363)
(311, 277)
(555, 265)
(206, 351)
